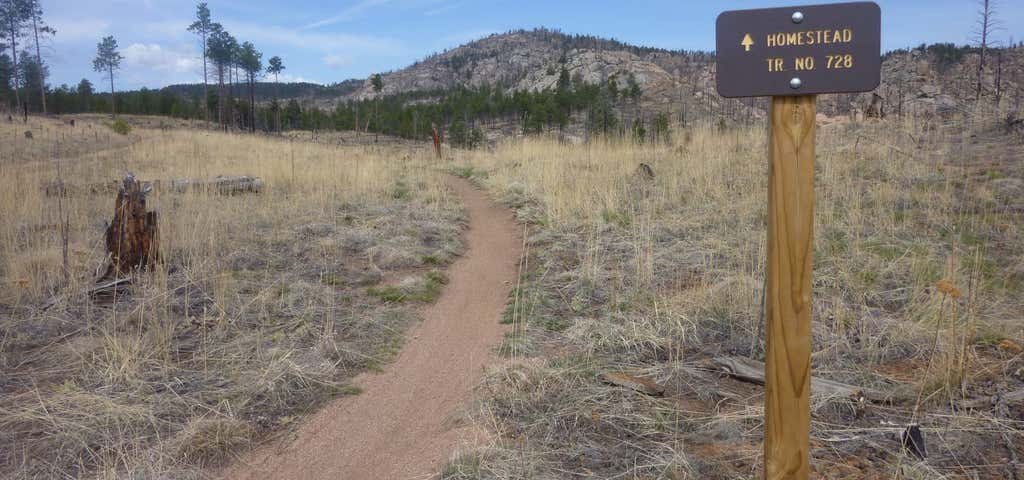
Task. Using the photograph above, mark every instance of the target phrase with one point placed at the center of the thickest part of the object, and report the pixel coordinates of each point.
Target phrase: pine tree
(219, 50)
(6, 76)
(275, 66)
(84, 93)
(203, 27)
(14, 15)
(29, 77)
(251, 62)
(39, 27)
(107, 60)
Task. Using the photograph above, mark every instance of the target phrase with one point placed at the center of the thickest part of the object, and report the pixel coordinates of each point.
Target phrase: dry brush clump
(918, 293)
(261, 309)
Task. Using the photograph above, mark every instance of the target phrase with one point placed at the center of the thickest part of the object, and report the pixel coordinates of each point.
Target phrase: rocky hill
(534, 59)
(936, 77)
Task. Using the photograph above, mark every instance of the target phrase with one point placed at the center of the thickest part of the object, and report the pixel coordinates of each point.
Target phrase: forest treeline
(459, 111)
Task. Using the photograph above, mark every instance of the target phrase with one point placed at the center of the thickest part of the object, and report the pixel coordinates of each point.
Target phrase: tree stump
(132, 237)
(877, 107)
(645, 171)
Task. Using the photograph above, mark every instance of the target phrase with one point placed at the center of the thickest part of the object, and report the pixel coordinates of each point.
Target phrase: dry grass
(266, 304)
(261, 310)
(656, 277)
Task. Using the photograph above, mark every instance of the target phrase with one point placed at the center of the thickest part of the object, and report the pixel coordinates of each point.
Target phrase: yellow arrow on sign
(747, 42)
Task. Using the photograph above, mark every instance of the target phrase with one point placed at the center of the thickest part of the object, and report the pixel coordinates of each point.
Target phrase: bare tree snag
(986, 24)
(791, 135)
(132, 238)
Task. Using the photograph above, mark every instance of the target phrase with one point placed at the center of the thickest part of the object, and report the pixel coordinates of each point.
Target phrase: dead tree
(132, 237)
(986, 25)
(999, 76)
(437, 139)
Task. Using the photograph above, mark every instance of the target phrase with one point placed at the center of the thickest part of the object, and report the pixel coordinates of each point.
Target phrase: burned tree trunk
(437, 140)
(132, 237)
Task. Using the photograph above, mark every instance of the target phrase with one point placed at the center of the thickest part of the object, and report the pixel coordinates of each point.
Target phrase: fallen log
(632, 382)
(217, 185)
(112, 288)
(752, 371)
(103, 291)
(59, 188)
(132, 237)
(1015, 396)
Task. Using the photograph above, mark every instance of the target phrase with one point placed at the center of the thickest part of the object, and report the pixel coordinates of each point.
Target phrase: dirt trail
(399, 427)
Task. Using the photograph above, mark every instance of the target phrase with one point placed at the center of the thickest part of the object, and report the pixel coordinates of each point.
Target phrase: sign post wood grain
(791, 54)
(787, 310)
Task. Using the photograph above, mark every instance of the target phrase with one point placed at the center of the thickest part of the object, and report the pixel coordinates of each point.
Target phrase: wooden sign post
(791, 54)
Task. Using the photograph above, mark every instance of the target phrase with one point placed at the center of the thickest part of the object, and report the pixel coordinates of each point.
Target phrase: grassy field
(263, 307)
(919, 294)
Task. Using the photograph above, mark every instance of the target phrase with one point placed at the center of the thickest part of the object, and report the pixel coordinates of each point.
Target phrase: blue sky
(327, 41)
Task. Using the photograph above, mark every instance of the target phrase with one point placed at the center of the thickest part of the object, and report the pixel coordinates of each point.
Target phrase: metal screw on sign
(795, 83)
(798, 17)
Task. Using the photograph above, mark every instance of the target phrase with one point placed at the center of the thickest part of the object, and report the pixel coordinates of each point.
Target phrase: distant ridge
(265, 90)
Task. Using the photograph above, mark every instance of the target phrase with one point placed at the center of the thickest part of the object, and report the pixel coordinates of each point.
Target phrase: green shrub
(427, 290)
(121, 126)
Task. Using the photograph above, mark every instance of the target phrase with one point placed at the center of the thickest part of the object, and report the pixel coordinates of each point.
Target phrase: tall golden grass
(259, 311)
(919, 282)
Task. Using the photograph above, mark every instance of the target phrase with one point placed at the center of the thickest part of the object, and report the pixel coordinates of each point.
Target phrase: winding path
(400, 426)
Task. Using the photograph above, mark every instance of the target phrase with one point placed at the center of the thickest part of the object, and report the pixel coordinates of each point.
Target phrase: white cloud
(335, 61)
(347, 14)
(324, 42)
(287, 77)
(155, 57)
(79, 29)
(439, 10)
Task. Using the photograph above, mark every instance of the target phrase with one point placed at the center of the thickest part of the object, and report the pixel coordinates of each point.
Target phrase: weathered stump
(877, 107)
(132, 237)
(645, 172)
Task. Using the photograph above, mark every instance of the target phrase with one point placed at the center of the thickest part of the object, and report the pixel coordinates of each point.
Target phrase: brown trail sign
(799, 50)
(791, 54)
